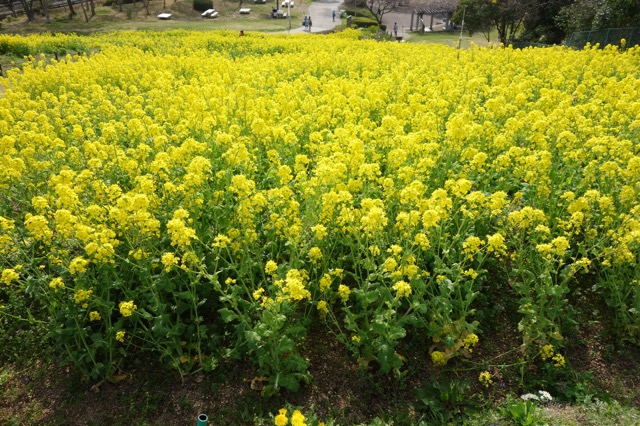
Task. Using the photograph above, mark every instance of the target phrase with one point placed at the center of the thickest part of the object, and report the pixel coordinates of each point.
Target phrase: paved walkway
(321, 12)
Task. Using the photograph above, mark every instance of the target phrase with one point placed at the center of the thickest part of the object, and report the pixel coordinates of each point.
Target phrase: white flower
(528, 396)
(545, 396)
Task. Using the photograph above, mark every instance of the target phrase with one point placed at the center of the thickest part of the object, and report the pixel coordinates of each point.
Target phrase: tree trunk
(45, 9)
(72, 12)
(28, 10)
(93, 8)
(84, 11)
(146, 6)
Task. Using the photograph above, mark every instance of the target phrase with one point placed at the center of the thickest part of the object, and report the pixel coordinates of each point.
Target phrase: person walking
(395, 29)
(305, 22)
(309, 23)
(333, 14)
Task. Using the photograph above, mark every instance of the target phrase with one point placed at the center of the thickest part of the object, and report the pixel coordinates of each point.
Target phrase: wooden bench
(286, 3)
(164, 16)
(245, 11)
(207, 12)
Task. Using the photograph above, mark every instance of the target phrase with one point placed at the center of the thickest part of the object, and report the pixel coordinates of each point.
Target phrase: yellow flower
(320, 231)
(8, 276)
(344, 292)
(56, 283)
(471, 245)
(221, 241)
(438, 358)
(485, 379)
(390, 264)
(558, 360)
(546, 352)
(472, 273)
(258, 293)
(281, 419)
(294, 285)
(315, 254)
(402, 288)
(120, 335)
(422, 240)
(81, 295)
(297, 419)
(271, 267)
(94, 316)
(470, 341)
(325, 282)
(168, 261)
(495, 244)
(322, 307)
(127, 308)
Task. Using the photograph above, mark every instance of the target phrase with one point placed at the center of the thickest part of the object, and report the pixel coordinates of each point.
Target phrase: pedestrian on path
(333, 14)
(305, 22)
(309, 23)
(395, 29)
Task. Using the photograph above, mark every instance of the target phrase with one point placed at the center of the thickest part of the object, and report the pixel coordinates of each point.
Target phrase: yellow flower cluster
(372, 157)
(485, 379)
(438, 358)
(297, 418)
(402, 288)
(127, 308)
(9, 275)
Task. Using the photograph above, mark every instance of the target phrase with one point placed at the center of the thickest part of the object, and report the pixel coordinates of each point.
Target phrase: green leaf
(227, 315)
(289, 381)
(285, 345)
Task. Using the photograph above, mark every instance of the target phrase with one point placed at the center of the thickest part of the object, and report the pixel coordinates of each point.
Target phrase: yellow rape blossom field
(200, 200)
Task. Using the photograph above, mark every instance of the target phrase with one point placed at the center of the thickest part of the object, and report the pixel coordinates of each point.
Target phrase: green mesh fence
(579, 39)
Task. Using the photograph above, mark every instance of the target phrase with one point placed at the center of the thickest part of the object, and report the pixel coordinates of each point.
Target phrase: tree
(540, 25)
(506, 16)
(478, 16)
(28, 9)
(72, 11)
(380, 7)
(597, 14)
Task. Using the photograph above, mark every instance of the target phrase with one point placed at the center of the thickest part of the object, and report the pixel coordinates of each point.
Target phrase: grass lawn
(134, 17)
(452, 38)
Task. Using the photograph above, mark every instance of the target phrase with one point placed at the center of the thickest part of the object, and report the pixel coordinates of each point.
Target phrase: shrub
(361, 22)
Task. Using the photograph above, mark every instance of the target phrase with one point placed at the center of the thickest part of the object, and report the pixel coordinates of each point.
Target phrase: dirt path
(321, 12)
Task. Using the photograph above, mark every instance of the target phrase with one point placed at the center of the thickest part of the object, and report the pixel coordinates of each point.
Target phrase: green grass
(134, 17)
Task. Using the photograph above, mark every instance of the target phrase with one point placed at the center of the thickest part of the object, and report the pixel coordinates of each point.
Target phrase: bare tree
(88, 9)
(380, 7)
(28, 9)
(72, 11)
(145, 3)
